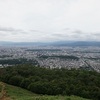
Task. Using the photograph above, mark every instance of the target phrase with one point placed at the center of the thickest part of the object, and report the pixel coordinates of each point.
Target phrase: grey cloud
(78, 31)
(96, 34)
(59, 35)
(2, 34)
(77, 35)
(34, 30)
(65, 29)
(37, 31)
(12, 31)
(8, 29)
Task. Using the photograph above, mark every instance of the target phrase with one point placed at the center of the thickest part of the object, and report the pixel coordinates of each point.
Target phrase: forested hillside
(53, 81)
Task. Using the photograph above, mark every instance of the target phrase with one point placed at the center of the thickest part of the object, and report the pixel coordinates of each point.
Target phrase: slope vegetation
(16, 93)
(45, 81)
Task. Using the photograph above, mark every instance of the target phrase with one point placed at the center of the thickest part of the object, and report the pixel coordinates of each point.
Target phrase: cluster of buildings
(54, 57)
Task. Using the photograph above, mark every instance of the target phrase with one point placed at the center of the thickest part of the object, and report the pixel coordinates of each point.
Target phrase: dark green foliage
(15, 80)
(25, 83)
(54, 81)
(18, 61)
(61, 57)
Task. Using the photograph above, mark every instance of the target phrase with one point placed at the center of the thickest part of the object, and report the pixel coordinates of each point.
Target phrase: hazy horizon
(49, 20)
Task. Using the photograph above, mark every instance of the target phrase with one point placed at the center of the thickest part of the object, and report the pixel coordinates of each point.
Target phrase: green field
(16, 93)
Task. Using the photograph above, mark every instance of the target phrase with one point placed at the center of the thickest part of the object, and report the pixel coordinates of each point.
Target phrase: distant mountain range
(77, 43)
(58, 43)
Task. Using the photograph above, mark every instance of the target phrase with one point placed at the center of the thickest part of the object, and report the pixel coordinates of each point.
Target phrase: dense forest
(62, 81)
(18, 61)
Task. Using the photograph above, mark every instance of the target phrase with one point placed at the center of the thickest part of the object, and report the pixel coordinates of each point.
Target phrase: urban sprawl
(52, 57)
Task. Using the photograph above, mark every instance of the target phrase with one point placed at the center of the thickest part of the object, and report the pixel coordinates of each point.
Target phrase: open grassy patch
(17, 93)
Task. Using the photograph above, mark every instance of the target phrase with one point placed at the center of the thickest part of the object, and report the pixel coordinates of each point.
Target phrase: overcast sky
(49, 20)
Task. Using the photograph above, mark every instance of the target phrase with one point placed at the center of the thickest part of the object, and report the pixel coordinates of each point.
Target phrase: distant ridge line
(58, 43)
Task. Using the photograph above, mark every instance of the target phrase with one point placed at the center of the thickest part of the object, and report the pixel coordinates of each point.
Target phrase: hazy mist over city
(49, 20)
